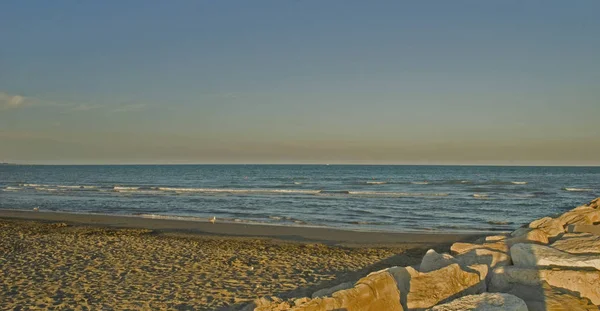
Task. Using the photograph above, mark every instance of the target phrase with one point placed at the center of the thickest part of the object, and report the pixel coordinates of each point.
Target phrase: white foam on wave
(33, 185)
(12, 189)
(121, 188)
(397, 194)
(420, 182)
(579, 189)
(518, 182)
(480, 195)
(376, 182)
(225, 190)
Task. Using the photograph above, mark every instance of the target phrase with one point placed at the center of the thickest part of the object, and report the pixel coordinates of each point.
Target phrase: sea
(355, 197)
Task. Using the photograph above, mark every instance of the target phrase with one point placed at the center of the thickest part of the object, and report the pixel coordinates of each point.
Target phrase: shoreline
(301, 234)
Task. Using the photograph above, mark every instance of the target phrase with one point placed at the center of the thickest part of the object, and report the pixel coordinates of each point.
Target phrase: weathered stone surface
(583, 215)
(434, 261)
(549, 225)
(546, 298)
(267, 304)
(461, 248)
(523, 235)
(585, 283)
(377, 291)
(593, 229)
(484, 302)
(328, 291)
(484, 256)
(533, 255)
(588, 214)
(578, 243)
(495, 238)
(531, 235)
(425, 290)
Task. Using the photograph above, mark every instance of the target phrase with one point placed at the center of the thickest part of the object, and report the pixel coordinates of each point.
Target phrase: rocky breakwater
(551, 264)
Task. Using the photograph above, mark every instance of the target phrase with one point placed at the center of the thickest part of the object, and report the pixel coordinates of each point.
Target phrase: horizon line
(307, 164)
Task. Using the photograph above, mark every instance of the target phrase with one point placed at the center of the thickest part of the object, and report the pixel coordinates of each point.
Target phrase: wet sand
(94, 262)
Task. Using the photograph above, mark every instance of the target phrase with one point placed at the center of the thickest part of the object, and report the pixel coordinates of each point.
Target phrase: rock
(578, 243)
(593, 229)
(585, 283)
(484, 256)
(533, 255)
(588, 214)
(546, 298)
(425, 290)
(377, 291)
(583, 215)
(328, 291)
(530, 235)
(484, 302)
(523, 235)
(301, 301)
(267, 304)
(549, 225)
(595, 203)
(495, 238)
(461, 248)
(434, 261)
(521, 231)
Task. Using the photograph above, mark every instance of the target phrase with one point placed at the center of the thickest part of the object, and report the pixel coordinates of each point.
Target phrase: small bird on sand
(36, 209)
(212, 220)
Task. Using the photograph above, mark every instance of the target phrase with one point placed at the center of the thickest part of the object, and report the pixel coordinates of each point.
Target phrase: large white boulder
(533, 255)
(585, 283)
(484, 302)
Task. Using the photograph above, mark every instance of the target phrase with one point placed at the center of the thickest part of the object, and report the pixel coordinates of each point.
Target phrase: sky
(358, 82)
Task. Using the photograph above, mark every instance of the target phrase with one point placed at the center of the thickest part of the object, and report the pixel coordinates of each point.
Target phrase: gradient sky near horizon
(419, 82)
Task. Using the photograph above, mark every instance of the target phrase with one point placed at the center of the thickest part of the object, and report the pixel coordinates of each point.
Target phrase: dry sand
(93, 262)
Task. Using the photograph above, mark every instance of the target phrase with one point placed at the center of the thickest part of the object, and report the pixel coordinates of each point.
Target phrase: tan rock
(578, 243)
(531, 235)
(585, 283)
(434, 261)
(425, 290)
(301, 301)
(533, 255)
(328, 291)
(495, 238)
(484, 302)
(583, 215)
(546, 298)
(461, 248)
(484, 256)
(377, 291)
(268, 304)
(549, 225)
(523, 235)
(593, 229)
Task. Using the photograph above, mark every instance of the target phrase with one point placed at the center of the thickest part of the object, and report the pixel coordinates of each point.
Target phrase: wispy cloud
(129, 108)
(8, 101)
(84, 107)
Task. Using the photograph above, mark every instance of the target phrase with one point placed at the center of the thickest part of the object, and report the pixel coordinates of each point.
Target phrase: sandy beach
(93, 262)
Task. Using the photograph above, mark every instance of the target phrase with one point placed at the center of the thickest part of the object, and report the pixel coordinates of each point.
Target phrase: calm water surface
(385, 198)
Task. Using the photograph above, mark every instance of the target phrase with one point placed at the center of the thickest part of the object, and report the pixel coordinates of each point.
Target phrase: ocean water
(360, 197)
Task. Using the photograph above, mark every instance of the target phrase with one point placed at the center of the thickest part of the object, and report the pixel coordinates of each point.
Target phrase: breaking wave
(578, 189)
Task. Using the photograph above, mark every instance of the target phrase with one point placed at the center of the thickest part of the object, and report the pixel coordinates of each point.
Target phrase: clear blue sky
(454, 82)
